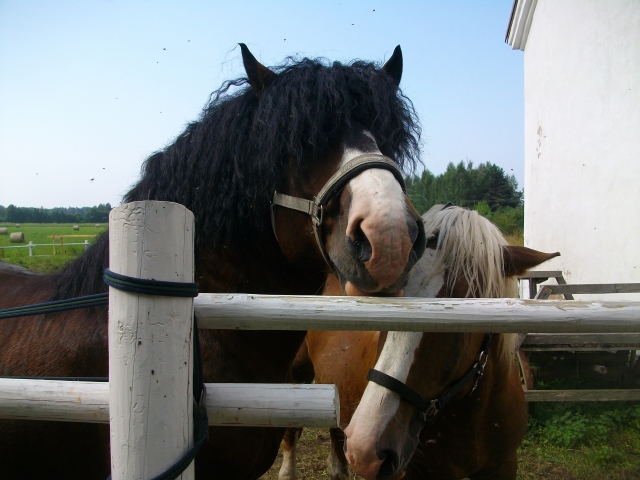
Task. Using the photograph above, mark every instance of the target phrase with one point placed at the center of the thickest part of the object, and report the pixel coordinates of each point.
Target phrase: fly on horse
(482, 420)
(276, 159)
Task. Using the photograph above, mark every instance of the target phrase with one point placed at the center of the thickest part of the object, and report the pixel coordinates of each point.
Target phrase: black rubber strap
(400, 388)
(56, 306)
(150, 287)
(431, 406)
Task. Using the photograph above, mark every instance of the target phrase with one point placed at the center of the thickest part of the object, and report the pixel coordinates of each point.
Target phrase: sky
(90, 88)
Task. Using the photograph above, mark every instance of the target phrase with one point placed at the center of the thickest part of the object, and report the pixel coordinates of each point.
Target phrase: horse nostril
(390, 464)
(359, 246)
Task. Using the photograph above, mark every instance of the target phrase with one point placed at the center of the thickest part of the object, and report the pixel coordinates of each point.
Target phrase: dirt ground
(312, 456)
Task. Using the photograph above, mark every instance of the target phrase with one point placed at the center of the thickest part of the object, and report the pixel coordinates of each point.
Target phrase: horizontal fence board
(54, 400)
(542, 274)
(580, 341)
(587, 288)
(581, 395)
(273, 404)
(274, 312)
(238, 404)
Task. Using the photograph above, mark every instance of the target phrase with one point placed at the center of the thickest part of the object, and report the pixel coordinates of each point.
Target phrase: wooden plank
(239, 404)
(590, 288)
(579, 348)
(273, 405)
(150, 347)
(581, 341)
(616, 395)
(542, 274)
(54, 400)
(274, 312)
(561, 281)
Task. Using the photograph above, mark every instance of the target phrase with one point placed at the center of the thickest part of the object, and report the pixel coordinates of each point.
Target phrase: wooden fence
(150, 347)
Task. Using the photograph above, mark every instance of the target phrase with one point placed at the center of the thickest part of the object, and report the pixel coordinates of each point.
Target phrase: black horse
(287, 129)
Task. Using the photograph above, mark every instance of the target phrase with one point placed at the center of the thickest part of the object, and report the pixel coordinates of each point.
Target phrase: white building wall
(582, 139)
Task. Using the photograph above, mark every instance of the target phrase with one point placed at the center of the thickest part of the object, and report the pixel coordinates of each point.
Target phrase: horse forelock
(225, 166)
(470, 247)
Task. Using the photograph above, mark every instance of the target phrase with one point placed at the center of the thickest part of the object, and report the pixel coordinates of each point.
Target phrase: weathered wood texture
(273, 405)
(267, 312)
(534, 342)
(237, 404)
(581, 395)
(54, 400)
(150, 347)
(587, 288)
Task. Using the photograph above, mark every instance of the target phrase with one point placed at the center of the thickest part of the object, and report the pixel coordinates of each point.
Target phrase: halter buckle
(317, 214)
(480, 364)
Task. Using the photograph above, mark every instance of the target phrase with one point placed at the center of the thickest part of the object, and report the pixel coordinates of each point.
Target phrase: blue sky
(88, 89)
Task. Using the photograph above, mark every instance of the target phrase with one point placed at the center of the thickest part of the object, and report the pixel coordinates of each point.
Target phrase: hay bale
(17, 225)
(97, 225)
(4, 230)
(76, 227)
(16, 237)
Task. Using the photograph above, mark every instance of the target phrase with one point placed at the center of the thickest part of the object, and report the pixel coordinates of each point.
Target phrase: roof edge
(520, 23)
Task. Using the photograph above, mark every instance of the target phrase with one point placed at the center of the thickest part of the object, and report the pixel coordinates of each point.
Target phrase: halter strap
(430, 407)
(315, 207)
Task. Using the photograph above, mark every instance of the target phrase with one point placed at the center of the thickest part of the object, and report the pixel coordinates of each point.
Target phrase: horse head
(466, 257)
(345, 208)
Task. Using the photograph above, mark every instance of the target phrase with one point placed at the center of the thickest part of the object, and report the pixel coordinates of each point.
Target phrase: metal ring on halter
(315, 207)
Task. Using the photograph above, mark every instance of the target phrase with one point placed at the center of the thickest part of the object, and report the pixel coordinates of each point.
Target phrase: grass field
(43, 259)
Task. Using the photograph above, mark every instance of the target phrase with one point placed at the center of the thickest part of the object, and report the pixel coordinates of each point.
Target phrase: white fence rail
(233, 404)
(272, 312)
(31, 246)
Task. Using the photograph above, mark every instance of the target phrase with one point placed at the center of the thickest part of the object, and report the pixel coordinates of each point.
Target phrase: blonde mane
(470, 246)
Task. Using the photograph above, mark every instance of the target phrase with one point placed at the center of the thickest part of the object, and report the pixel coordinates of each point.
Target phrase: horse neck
(251, 356)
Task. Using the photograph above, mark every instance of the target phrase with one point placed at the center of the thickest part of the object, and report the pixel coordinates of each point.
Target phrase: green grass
(581, 440)
(43, 259)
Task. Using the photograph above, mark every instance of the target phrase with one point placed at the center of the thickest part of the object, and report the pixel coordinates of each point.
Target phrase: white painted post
(30, 245)
(86, 244)
(150, 341)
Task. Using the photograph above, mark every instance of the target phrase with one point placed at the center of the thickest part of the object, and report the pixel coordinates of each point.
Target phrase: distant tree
(466, 186)
(11, 213)
(99, 214)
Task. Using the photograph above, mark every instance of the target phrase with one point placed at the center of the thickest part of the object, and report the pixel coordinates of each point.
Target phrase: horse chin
(353, 291)
(356, 280)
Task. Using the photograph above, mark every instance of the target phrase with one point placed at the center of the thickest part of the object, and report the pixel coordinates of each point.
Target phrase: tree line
(96, 214)
(485, 188)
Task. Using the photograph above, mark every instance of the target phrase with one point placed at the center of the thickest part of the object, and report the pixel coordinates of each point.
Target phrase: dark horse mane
(225, 166)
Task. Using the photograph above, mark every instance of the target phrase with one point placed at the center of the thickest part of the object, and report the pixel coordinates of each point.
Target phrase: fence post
(30, 245)
(150, 348)
(86, 244)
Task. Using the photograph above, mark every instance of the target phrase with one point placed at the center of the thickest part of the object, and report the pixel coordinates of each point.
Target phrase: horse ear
(518, 260)
(260, 76)
(393, 67)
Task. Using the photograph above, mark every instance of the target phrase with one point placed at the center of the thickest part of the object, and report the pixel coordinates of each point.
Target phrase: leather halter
(430, 407)
(315, 207)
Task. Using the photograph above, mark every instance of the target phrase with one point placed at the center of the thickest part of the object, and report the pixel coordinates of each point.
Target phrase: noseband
(430, 407)
(315, 207)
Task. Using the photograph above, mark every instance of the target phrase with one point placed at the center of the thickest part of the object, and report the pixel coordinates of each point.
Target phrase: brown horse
(476, 434)
(288, 130)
